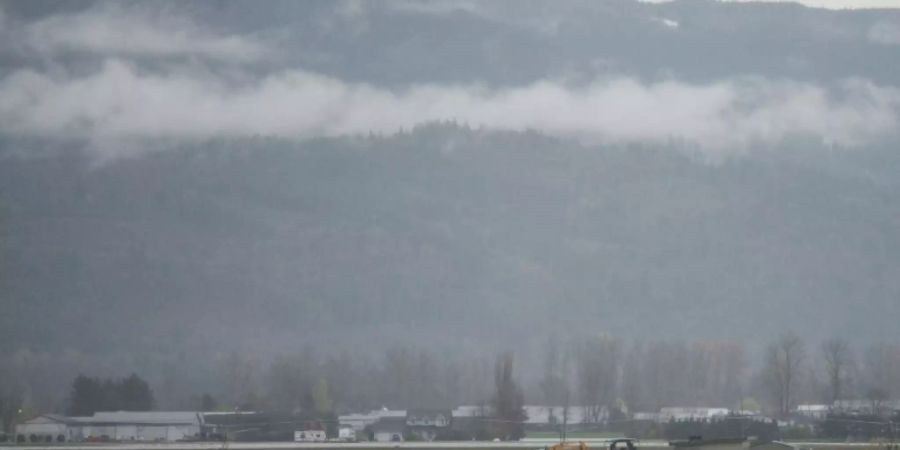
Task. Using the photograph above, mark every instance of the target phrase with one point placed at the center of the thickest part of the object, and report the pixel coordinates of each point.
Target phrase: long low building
(359, 421)
(112, 426)
(545, 415)
(536, 415)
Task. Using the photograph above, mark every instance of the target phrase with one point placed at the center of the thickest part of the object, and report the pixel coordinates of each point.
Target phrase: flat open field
(532, 443)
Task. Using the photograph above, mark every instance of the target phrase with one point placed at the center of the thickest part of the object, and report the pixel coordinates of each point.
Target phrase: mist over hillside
(453, 236)
(182, 181)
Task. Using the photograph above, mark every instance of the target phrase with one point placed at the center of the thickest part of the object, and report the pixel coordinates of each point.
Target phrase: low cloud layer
(119, 101)
(120, 97)
(829, 4)
(120, 30)
(884, 32)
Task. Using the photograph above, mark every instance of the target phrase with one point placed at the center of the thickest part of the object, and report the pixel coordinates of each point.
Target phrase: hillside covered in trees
(454, 240)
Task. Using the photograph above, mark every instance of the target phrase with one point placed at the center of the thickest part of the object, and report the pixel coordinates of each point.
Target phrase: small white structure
(427, 424)
(817, 412)
(549, 415)
(541, 414)
(347, 434)
(358, 422)
(310, 436)
(389, 429)
(45, 428)
(865, 406)
(647, 416)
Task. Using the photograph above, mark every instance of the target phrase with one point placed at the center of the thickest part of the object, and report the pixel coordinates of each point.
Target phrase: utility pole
(893, 442)
(15, 424)
(565, 417)
(741, 413)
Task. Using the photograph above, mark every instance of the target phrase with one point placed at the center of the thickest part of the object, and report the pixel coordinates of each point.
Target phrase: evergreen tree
(322, 397)
(134, 394)
(86, 397)
(90, 395)
(208, 403)
(509, 414)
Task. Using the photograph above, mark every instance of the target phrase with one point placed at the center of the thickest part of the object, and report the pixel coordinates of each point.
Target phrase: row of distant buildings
(383, 425)
(168, 426)
(847, 407)
(807, 411)
(386, 425)
(464, 422)
(378, 419)
(394, 425)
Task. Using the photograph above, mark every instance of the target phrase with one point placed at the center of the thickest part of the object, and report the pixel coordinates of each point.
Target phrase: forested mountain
(187, 183)
(443, 235)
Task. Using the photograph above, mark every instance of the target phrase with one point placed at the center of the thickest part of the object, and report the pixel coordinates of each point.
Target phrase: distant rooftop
(142, 417)
(390, 425)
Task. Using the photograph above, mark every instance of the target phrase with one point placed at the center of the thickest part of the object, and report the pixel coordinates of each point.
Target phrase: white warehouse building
(114, 426)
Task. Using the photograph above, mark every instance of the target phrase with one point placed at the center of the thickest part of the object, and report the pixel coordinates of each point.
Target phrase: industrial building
(112, 426)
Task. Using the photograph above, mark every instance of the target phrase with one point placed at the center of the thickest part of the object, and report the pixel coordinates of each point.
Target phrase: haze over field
(184, 181)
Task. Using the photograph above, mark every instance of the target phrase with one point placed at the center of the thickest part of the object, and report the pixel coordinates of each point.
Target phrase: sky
(848, 4)
(830, 4)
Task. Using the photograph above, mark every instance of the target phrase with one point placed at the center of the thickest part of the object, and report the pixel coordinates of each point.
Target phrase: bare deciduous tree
(882, 372)
(597, 365)
(784, 359)
(838, 359)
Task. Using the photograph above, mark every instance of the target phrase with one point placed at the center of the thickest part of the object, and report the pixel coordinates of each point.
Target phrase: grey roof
(142, 418)
(390, 424)
(429, 412)
(47, 418)
(124, 417)
(432, 414)
(468, 423)
(772, 445)
(705, 442)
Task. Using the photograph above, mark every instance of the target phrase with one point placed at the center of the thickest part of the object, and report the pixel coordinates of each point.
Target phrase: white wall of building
(310, 436)
(42, 430)
(387, 436)
(360, 421)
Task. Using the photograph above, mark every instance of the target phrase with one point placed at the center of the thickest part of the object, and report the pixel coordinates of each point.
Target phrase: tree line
(90, 395)
(601, 373)
(606, 376)
(297, 390)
